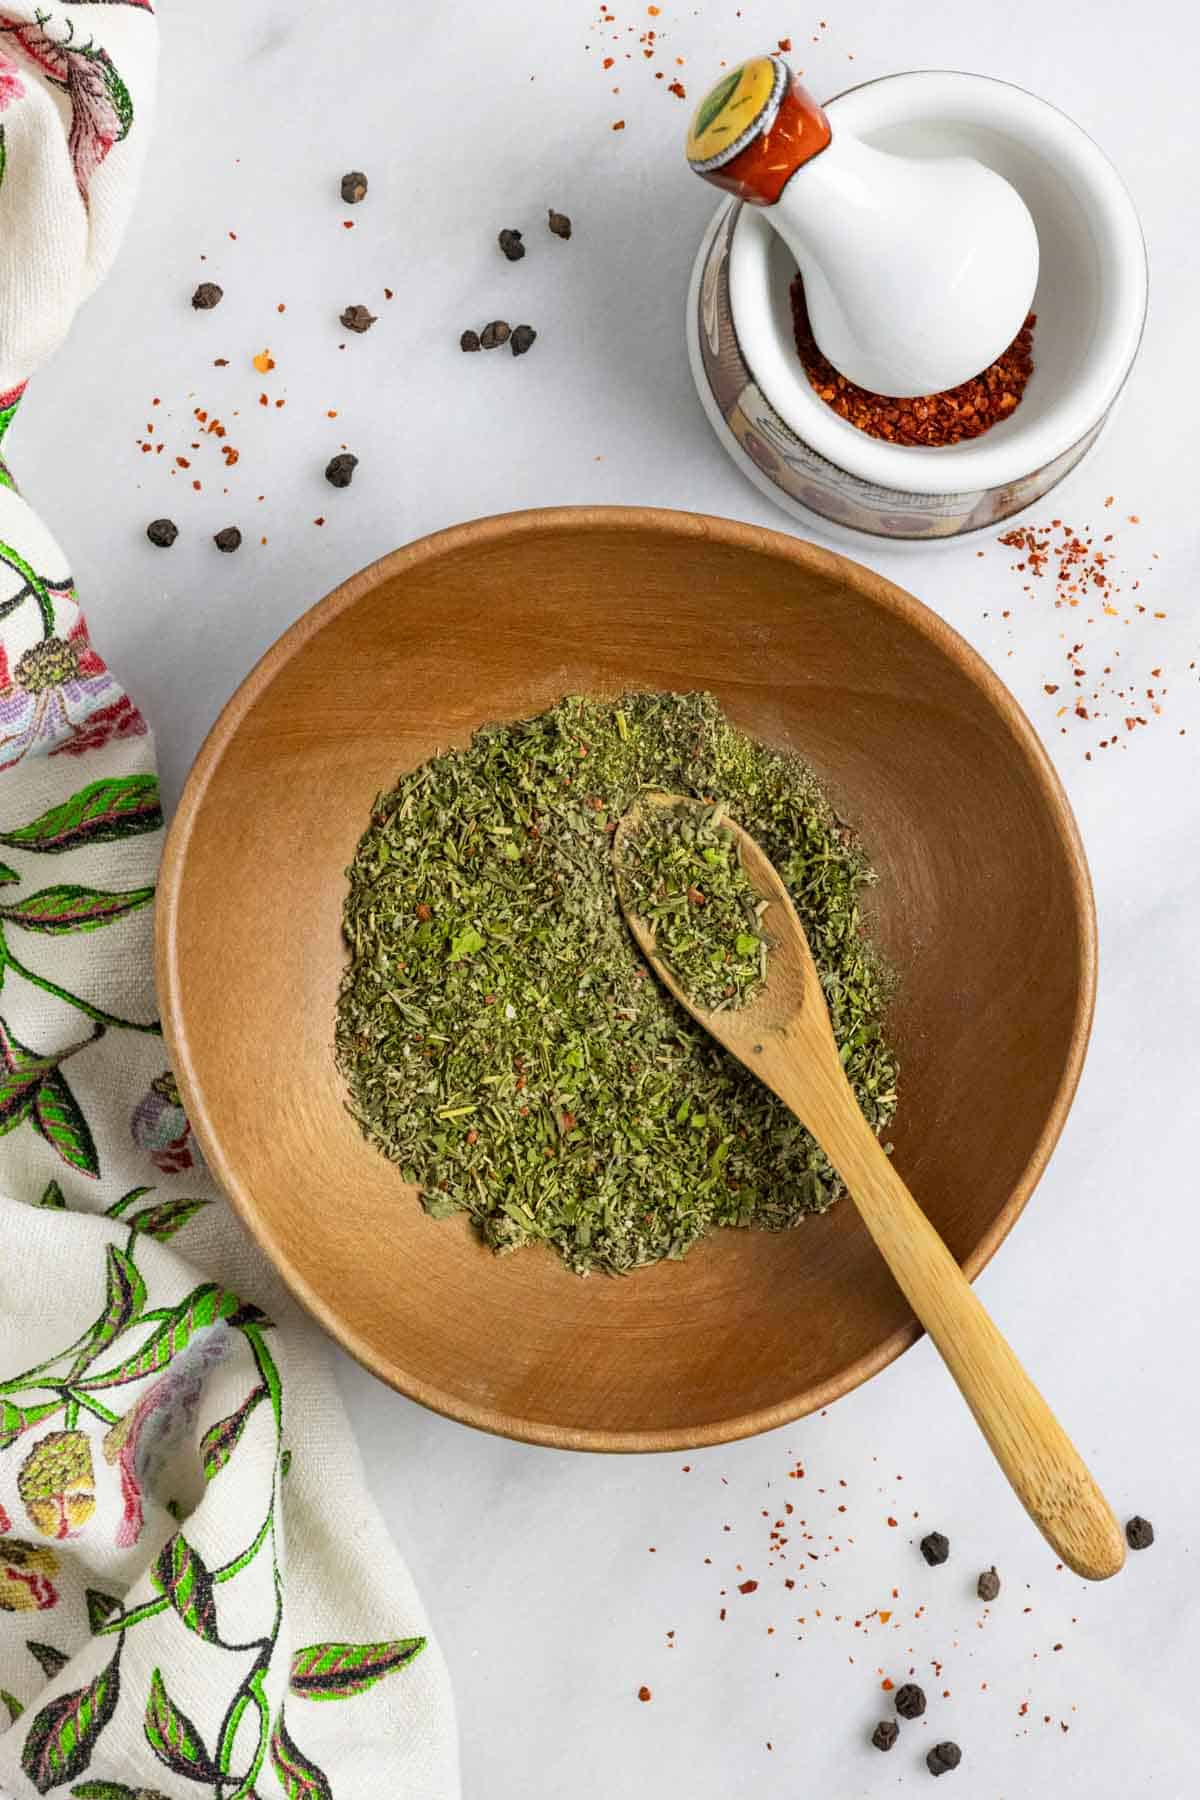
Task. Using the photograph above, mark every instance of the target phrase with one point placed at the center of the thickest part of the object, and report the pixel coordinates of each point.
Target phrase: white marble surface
(537, 1566)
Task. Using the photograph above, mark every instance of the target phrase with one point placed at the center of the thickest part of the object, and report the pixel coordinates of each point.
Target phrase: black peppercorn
(989, 1584)
(339, 471)
(942, 1758)
(910, 1701)
(162, 532)
(207, 295)
(935, 1548)
(229, 539)
(560, 225)
(354, 187)
(1139, 1533)
(469, 340)
(522, 338)
(885, 1734)
(357, 318)
(510, 243)
(495, 334)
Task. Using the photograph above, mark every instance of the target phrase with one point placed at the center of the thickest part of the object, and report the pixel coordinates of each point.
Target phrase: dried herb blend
(680, 871)
(504, 1043)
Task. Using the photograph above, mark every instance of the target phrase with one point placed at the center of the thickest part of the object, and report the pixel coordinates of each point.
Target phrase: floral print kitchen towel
(196, 1597)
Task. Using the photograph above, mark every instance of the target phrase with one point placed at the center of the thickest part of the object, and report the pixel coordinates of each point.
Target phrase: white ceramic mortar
(1090, 305)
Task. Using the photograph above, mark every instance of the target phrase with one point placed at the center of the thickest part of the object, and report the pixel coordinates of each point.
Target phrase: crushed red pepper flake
(929, 420)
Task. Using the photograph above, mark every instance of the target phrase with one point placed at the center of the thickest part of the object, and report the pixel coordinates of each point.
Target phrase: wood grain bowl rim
(733, 534)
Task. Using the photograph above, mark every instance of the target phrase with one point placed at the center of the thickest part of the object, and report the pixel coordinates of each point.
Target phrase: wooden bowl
(984, 904)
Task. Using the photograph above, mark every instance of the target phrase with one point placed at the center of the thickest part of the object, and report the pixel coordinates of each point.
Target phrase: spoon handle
(1046, 1471)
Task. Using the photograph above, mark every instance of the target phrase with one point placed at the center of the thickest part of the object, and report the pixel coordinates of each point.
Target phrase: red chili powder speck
(644, 1693)
(619, 125)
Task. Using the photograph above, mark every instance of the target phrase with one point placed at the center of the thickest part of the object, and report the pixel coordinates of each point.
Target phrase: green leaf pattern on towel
(81, 1429)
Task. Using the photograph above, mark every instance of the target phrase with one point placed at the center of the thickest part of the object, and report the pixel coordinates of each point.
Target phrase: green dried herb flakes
(680, 871)
(503, 1041)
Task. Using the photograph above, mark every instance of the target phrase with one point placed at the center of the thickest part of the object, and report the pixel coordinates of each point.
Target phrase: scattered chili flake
(263, 401)
(892, 1522)
(785, 45)
(677, 88)
(962, 412)
(319, 521)
(644, 1693)
(887, 1684)
(619, 125)
(219, 362)
(747, 1587)
(230, 455)
(264, 362)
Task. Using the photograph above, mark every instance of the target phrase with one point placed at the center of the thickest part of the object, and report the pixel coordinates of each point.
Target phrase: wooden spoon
(784, 1036)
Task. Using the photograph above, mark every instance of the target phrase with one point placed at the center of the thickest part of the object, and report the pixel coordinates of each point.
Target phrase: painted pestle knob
(918, 271)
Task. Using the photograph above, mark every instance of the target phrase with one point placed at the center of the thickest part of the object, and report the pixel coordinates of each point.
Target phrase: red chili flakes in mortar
(931, 420)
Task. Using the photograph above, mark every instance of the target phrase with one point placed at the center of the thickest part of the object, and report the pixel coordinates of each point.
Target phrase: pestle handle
(754, 129)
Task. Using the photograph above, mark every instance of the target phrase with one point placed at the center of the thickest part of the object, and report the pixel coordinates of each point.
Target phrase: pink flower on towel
(60, 696)
(11, 85)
